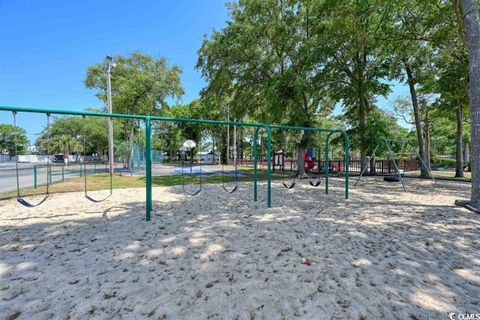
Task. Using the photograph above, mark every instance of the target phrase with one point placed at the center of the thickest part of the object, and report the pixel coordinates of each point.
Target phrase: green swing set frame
(148, 135)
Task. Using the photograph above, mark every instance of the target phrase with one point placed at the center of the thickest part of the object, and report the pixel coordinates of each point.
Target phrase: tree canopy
(7, 139)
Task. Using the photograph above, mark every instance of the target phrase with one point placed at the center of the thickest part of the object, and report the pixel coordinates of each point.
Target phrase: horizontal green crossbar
(124, 116)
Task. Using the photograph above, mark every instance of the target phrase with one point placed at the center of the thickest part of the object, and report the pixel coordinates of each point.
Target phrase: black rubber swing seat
(235, 187)
(96, 200)
(28, 204)
(391, 179)
(185, 189)
(315, 184)
(192, 194)
(289, 186)
(230, 191)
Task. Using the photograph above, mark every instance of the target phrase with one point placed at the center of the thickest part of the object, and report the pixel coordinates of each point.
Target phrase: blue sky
(47, 46)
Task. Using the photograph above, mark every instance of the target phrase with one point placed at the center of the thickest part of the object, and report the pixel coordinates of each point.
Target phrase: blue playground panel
(188, 170)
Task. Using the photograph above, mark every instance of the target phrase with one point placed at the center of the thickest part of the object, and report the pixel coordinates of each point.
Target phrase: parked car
(58, 158)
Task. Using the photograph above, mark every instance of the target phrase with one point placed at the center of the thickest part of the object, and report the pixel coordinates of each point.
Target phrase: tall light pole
(108, 60)
(228, 135)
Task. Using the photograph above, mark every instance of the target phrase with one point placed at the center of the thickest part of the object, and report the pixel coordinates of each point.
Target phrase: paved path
(8, 179)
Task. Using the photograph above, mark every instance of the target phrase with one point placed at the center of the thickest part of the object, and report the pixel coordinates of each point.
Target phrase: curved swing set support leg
(366, 167)
(20, 199)
(396, 166)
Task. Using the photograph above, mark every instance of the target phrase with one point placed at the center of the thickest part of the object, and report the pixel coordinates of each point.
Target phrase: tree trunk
(138, 135)
(418, 120)
(427, 138)
(362, 121)
(459, 144)
(300, 161)
(472, 34)
(373, 170)
(125, 129)
(228, 138)
(466, 153)
(301, 151)
(130, 143)
(241, 146)
(224, 151)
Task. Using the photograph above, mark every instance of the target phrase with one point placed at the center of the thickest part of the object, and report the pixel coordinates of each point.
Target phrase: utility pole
(228, 135)
(108, 60)
(234, 145)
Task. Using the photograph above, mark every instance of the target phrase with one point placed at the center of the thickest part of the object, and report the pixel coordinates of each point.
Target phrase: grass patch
(101, 181)
(446, 174)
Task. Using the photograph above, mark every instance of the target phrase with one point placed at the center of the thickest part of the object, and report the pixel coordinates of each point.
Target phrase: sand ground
(382, 254)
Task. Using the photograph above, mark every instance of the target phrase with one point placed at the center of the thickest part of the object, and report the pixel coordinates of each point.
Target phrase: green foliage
(443, 162)
(140, 83)
(380, 125)
(292, 62)
(7, 139)
(68, 135)
(264, 64)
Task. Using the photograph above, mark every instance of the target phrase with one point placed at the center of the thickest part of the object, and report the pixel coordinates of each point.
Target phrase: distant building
(31, 149)
(208, 157)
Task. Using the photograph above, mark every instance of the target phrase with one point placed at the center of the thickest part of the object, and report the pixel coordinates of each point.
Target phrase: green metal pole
(63, 172)
(35, 177)
(255, 156)
(148, 164)
(269, 166)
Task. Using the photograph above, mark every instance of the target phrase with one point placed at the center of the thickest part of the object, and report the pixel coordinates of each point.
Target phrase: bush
(443, 162)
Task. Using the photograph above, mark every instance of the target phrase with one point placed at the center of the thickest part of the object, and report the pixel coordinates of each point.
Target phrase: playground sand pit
(381, 254)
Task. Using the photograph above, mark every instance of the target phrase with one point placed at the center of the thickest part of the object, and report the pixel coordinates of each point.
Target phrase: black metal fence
(382, 167)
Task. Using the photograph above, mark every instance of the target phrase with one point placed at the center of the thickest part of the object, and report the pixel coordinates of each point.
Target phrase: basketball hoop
(189, 144)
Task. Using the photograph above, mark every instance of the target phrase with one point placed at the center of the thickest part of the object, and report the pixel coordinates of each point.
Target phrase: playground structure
(148, 135)
(208, 237)
(399, 175)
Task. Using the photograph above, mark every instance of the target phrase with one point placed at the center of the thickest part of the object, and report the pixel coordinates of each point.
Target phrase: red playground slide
(309, 165)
